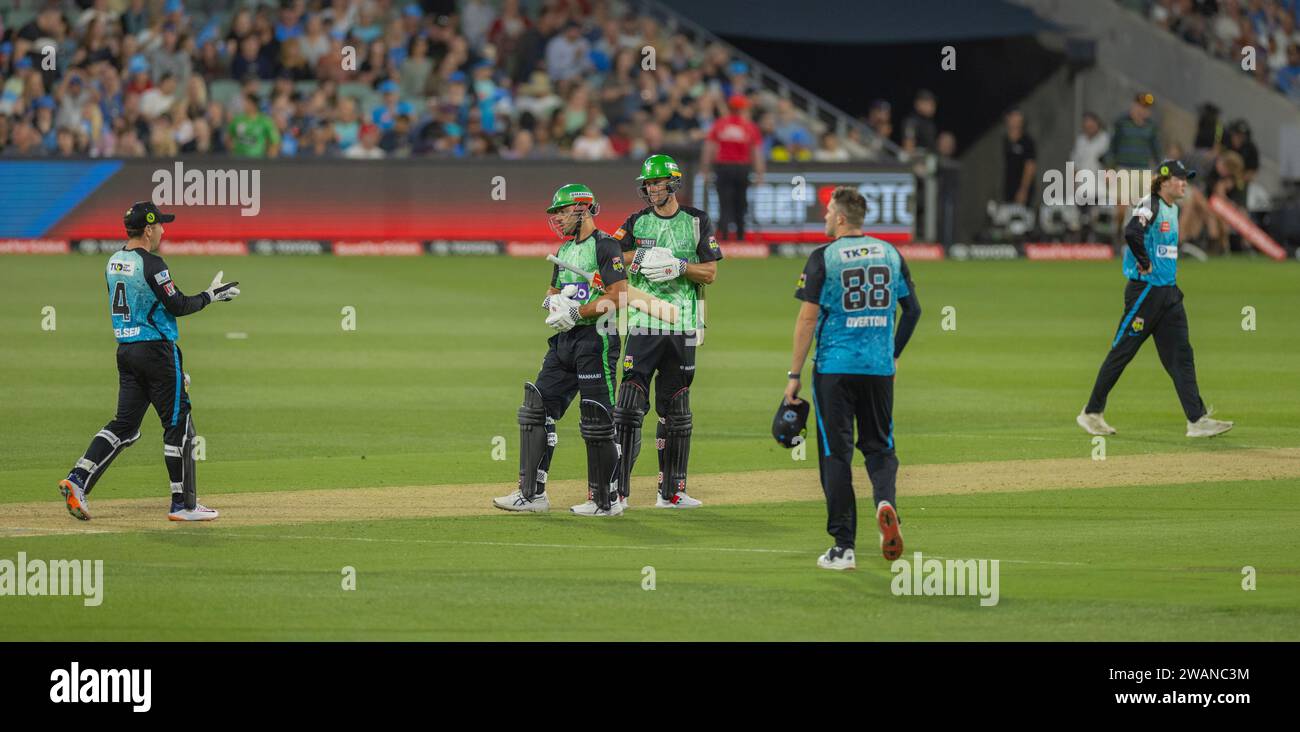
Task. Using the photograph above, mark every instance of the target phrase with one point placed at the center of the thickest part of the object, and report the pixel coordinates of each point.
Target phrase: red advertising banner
(1242, 224)
(218, 199)
(1069, 251)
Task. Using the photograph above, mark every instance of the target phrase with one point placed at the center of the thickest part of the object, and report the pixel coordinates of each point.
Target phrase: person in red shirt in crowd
(736, 144)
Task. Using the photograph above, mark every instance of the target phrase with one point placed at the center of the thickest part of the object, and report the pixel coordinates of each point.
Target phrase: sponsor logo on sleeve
(162, 276)
(169, 288)
(617, 264)
(803, 280)
(620, 233)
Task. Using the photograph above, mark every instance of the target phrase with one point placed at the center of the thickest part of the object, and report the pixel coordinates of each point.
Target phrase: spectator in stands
(251, 133)
(1197, 219)
(592, 144)
(788, 124)
(347, 124)
(476, 20)
(736, 145)
(1091, 144)
(252, 61)
(1134, 144)
(919, 128)
(1288, 77)
(416, 69)
(386, 114)
(159, 100)
(568, 54)
(1239, 142)
(367, 145)
(830, 150)
(1019, 157)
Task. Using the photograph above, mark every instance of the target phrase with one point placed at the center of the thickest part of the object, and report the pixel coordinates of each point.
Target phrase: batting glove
(566, 292)
(564, 314)
(223, 291)
(663, 271)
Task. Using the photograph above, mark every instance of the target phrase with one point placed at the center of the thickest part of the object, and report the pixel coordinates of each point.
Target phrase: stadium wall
(402, 201)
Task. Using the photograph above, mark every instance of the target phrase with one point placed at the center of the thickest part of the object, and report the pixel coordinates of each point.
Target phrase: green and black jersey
(689, 234)
(597, 253)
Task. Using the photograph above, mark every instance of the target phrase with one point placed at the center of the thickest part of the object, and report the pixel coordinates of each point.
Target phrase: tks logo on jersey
(1167, 251)
(870, 250)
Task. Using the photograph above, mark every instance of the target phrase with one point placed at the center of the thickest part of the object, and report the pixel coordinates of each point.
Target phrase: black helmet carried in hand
(789, 422)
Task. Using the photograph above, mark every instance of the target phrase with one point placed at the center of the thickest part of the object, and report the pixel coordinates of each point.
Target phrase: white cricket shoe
(623, 500)
(1093, 424)
(679, 500)
(591, 509)
(837, 557)
(1207, 427)
(516, 502)
(199, 513)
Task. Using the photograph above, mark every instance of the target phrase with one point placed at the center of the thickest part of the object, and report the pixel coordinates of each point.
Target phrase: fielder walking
(671, 253)
(580, 359)
(850, 289)
(144, 303)
(1153, 306)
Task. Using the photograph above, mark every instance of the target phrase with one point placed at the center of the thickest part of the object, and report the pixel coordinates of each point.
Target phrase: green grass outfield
(433, 373)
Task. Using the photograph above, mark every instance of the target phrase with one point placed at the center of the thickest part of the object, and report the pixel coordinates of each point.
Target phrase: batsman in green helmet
(671, 253)
(581, 359)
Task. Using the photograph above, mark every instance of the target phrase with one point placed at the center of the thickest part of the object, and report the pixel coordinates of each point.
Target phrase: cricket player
(1153, 306)
(850, 289)
(144, 303)
(671, 253)
(581, 358)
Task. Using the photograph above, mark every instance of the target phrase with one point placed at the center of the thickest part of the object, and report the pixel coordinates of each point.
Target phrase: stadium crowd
(1225, 28)
(372, 79)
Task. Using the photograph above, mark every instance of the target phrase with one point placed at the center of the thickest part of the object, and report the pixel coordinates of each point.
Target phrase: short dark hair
(134, 233)
(850, 204)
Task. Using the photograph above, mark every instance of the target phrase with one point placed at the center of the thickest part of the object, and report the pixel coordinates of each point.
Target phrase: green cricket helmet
(565, 196)
(658, 167)
(570, 194)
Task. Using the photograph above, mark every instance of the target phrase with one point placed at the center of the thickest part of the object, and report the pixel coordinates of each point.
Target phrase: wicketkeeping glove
(223, 291)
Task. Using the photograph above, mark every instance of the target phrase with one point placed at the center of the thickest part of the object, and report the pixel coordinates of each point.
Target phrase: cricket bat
(636, 297)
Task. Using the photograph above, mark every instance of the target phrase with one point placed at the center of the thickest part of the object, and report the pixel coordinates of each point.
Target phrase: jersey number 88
(867, 288)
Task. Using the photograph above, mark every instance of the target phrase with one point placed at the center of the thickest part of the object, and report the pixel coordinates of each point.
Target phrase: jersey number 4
(867, 288)
(120, 306)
